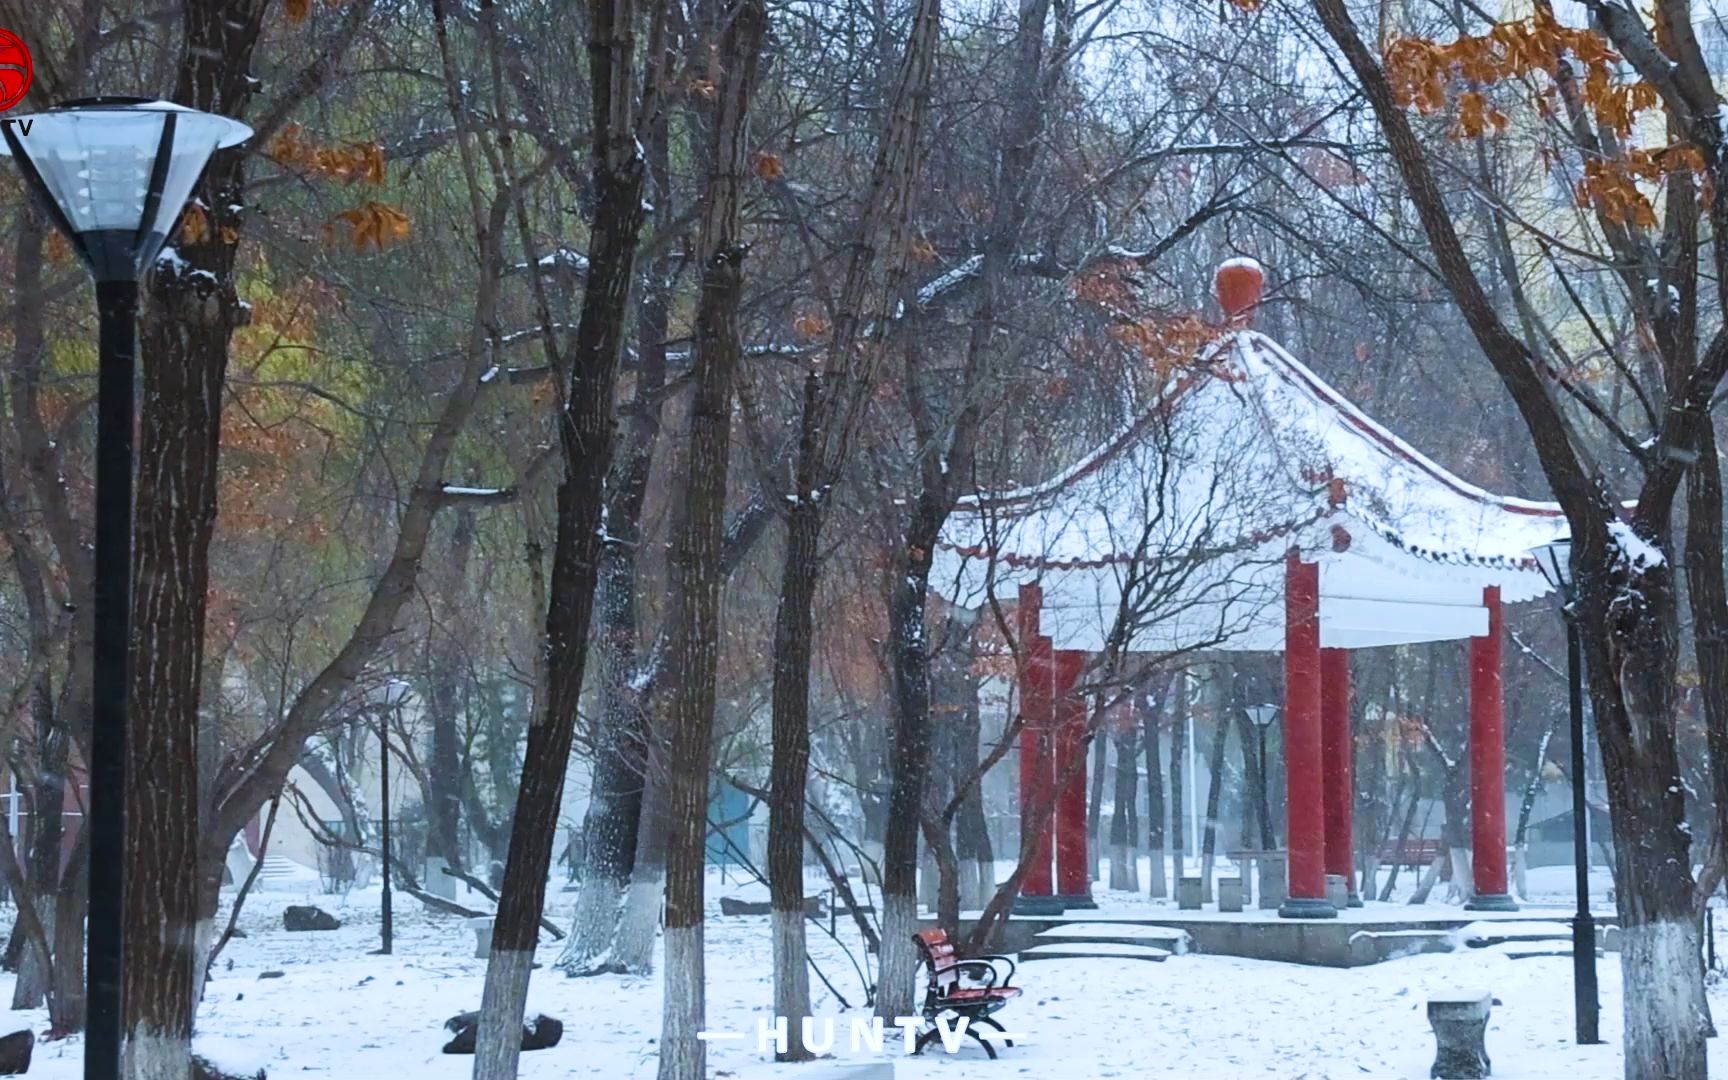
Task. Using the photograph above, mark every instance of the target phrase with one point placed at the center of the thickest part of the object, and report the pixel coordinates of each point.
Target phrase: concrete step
(1167, 938)
(1096, 950)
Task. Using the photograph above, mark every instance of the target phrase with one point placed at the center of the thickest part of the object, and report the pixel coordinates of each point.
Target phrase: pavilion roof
(1243, 457)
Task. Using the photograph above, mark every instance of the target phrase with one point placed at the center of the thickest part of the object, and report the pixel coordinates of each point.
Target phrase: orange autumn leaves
(1532, 50)
(372, 224)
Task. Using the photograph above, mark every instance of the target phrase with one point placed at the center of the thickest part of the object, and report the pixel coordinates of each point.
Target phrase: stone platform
(1358, 937)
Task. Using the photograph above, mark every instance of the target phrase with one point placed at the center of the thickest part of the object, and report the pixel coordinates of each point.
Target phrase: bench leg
(997, 1024)
(972, 1030)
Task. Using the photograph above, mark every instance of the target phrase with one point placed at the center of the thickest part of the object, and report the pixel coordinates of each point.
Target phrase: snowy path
(337, 1012)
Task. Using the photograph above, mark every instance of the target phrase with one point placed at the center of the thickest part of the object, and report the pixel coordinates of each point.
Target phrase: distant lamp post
(113, 175)
(1263, 716)
(1555, 561)
(391, 697)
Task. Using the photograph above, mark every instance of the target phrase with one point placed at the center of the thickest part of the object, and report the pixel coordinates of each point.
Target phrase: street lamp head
(1554, 559)
(1262, 715)
(114, 173)
(395, 692)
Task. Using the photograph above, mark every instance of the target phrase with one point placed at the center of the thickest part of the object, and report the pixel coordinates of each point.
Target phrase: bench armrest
(995, 960)
(990, 970)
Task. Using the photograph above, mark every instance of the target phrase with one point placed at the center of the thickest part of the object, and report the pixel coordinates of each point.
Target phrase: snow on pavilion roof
(1173, 534)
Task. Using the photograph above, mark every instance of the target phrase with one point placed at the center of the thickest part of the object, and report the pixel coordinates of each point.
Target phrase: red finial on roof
(1239, 283)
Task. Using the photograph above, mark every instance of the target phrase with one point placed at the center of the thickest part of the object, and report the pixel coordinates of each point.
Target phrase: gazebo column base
(1305, 907)
(1038, 905)
(1080, 900)
(1491, 902)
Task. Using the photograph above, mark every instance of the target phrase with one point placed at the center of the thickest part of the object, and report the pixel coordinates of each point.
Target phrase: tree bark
(738, 28)
(585, 443)
(188, 324)
(1157, 884)
(1124, 866)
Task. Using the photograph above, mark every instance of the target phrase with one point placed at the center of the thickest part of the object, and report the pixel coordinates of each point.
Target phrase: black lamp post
(1262, 716)
(395, 692)
(1555, 561)
(113, 174)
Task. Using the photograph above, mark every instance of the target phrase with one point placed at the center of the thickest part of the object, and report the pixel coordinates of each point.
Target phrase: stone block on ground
(539, 1032)
(482, 927)
(731, 905)
(1188, 893)
(1460, 1023)
(1337, 892)
(1273, 883)
(15, 1052)
(304, 917)
(1230, 894)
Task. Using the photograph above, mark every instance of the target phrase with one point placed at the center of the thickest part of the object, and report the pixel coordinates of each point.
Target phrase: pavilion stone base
(1491, 902)
(1305, 907)
(1083, 901)
(1038, 905)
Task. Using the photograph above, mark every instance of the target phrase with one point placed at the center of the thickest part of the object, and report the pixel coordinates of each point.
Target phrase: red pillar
(1305, 822)
(1073, 870)
(1036, 767)
(1488, 764)
(1339, 751)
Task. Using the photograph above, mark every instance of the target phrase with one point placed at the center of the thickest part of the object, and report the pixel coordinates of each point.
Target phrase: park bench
(972, 989)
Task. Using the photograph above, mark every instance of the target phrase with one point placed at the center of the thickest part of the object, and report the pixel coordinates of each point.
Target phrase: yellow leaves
(375, 225)
(195, 224)
(1476, 117)
(1612, 186)
(359, 162)
(769, 166)
(299, 10)
(921, 250)
(810, 326)
(1246, 5)
(59, 251)
(1420, 71)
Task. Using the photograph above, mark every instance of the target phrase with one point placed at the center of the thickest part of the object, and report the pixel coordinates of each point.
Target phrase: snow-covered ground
(338, 1012)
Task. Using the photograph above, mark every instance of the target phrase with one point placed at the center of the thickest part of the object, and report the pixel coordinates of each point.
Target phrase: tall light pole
(113, 175)
(394, 693)
(1555, 561)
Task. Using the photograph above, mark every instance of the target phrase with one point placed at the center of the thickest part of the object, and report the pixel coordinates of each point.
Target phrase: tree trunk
(585, 441)
(639, 922)
(1157, 884)
(1095, 807)
(789, 769)
(614, 818)
(1214, 792)
(444, 680)
(971, 827)
(1124, 868)
(1178, 757)
(697, 570)
(192, 314)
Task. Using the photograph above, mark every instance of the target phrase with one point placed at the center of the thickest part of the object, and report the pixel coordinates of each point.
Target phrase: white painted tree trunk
(791, 978)
(928, 878)
(1158, 888)
(593, 927)
(501, 1026)
(1663, 1003)
(682, 1055)
(1124, 871)
(870, 868)
(633, 948)
(1463, 884)
(984, 875)
(899, 969)
(1521, 870)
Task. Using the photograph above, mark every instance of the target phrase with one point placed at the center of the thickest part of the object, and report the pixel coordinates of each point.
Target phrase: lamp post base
(1584, 978)
(1304, 907)
(1491, 902)
(1078, 900)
